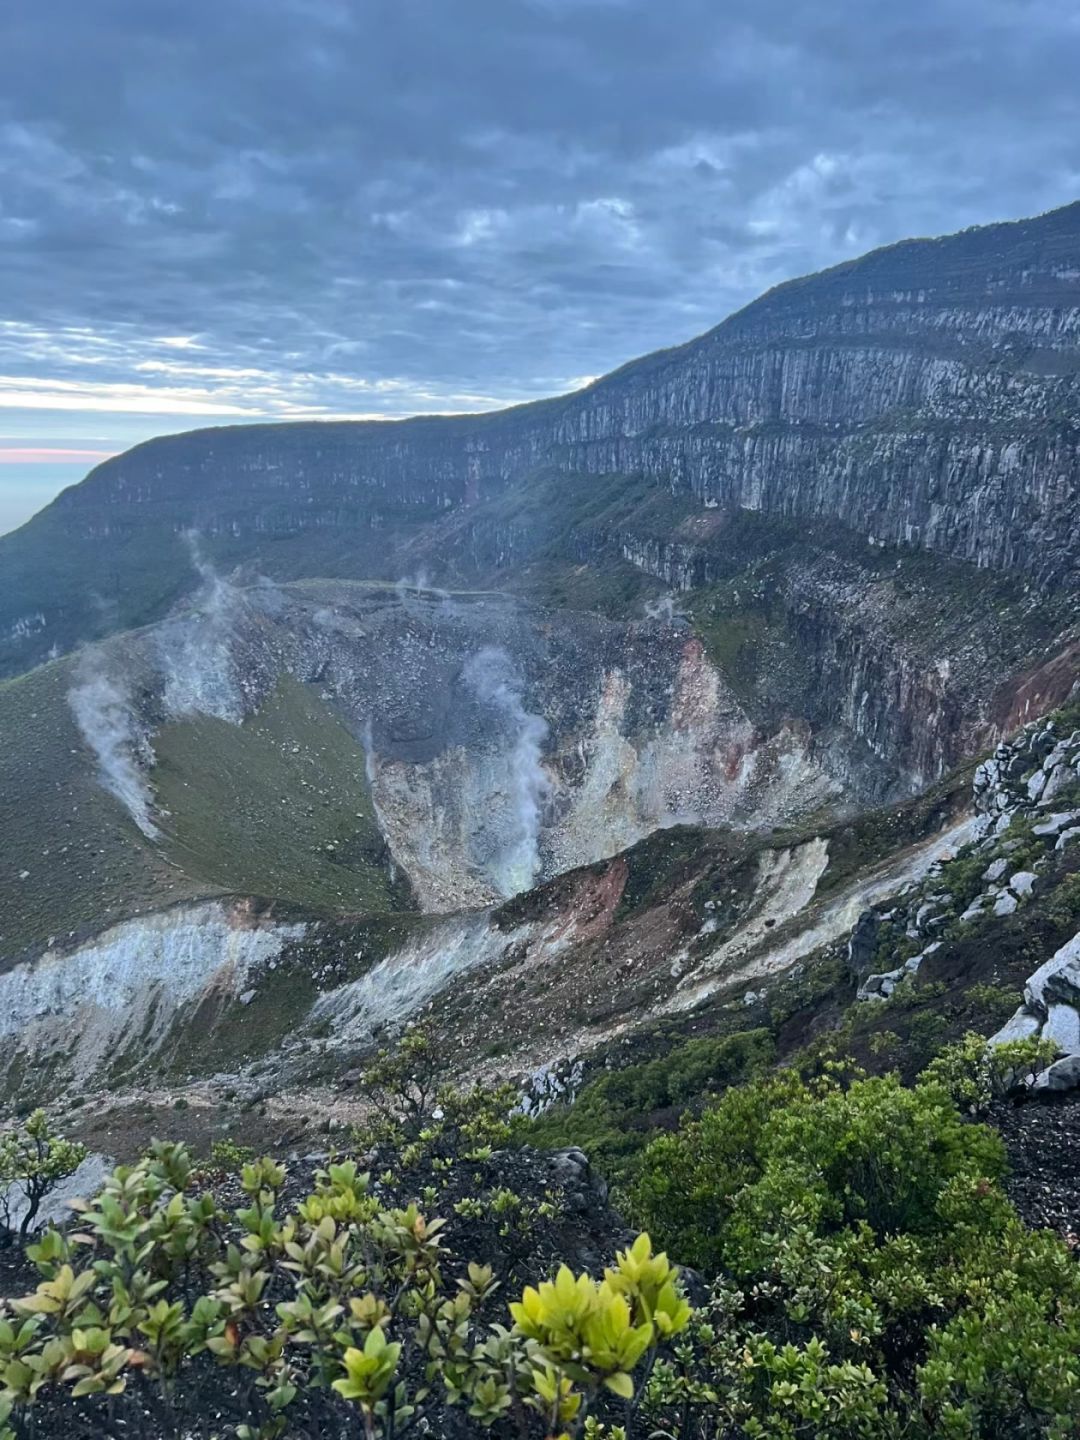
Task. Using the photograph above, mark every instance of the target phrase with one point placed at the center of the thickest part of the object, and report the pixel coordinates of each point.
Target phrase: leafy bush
(335, 1308)
(1063, 907)
(870, 1281)
(873, 1153)
(974, 1073)
(33, 1161)
(610, 1118)
(888, 1287)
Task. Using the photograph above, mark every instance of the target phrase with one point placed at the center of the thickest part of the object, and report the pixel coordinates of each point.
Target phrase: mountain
(637, 698)
(925, 395)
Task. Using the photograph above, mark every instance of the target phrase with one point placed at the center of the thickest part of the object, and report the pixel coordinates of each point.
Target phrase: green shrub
(974, 1073)
(33, 1161)
(610, 1118)
(870, 1281)
(992, 1004)
(879, 1256)
(341, 1312)
(873, 1153)
(1063, 907)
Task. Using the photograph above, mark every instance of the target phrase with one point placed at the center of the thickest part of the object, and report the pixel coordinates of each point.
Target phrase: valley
(391, 686)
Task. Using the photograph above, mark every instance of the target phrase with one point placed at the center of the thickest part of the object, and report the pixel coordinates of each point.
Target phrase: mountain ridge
(942, 417)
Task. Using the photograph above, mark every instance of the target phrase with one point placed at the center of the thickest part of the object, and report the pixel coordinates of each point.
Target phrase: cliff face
(927, 394)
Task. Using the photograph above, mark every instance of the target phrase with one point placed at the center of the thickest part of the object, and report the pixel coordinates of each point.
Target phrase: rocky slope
(702, 620)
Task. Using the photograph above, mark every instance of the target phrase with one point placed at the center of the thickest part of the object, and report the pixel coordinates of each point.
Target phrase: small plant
(33, 1161)
(227, 1155)
(974, 1073)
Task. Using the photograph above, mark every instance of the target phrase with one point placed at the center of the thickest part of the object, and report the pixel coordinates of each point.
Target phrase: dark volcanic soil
(1043, 1141)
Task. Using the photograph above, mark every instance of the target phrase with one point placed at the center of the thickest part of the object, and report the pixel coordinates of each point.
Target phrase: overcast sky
(218, 210)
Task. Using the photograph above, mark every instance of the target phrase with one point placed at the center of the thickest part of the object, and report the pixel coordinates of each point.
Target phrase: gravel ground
(1043, 1141)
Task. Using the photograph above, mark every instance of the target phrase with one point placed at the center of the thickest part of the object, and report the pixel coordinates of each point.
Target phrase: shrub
(873, 1152)
(338, 1308)
(974, 1073)
(33, 1161)
(610, 1118)
(884, 1269)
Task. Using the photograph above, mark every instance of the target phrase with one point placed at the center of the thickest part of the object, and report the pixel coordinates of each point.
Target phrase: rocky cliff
(802, 566)
(926, 395)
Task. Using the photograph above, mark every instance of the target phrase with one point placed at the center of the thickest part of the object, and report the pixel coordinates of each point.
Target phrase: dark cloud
(379, 206)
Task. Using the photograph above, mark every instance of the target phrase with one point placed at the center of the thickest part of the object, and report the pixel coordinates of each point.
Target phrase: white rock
(1022, 1026)
(877, 987)
(1063, 1027)
(1005, 904)
(1035, 785)
(1059, 780)
(1067, 837)
(996, 870)
(1051, 1000)
(1061, 1075)
(1054, 824)
(1022, 882)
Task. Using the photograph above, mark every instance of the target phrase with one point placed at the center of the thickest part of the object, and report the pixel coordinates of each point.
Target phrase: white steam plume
(195, 650)
(661, 609)
(108, 724)
(491, 675)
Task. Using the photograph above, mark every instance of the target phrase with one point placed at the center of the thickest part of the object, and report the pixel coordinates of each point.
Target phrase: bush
(870, 1280)
(873, 1153)
(611, 1116)
(340, 1313)
(878, 1258)
(973, 1073)
(33, 1161)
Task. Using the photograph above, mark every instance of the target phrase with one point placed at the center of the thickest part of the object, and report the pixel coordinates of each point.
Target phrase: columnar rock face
(927, 394)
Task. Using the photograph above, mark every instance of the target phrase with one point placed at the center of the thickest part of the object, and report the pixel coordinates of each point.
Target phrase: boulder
(1055, 823)
(1063, 1074)
(1063, 1027)
(863, 943)
(1022, 1026)
(1051, 1005)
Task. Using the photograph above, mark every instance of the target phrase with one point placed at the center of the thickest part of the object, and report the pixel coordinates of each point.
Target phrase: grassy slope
(85, 862)
(277, 806)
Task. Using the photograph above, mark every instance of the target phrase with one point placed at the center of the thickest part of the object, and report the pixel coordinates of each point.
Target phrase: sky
(226, 210)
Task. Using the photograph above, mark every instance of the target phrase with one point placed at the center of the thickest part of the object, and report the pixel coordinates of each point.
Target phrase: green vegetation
(866, 1220)
(84, 861)
(33, 1161)
(973, 1073)
(616, 1114)
(343, 1314)
(278, 805)
(862, 1276)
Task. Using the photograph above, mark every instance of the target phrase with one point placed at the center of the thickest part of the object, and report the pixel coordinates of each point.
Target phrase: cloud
(316, 207)
(50, 455)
